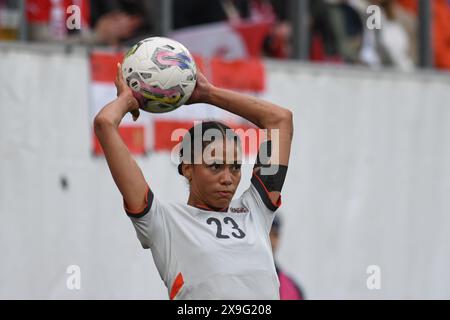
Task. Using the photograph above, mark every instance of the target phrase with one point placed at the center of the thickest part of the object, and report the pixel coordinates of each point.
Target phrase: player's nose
(226, 177)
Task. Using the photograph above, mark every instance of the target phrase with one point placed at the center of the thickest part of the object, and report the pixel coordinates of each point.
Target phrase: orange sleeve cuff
(145, 208)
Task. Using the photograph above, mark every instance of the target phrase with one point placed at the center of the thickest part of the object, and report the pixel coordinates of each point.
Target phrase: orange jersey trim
(176, 286)
(141, 209)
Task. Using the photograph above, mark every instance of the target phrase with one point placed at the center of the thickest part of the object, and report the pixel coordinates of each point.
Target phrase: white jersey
(203, 254)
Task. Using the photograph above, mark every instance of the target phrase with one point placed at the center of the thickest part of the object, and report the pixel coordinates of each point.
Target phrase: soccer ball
(161, 72)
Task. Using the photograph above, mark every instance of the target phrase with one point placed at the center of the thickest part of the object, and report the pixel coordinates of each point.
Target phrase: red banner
(132, 136)
(104, 66)
(244, 75)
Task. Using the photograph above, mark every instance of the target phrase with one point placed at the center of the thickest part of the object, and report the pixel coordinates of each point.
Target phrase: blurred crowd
(338, 29)
(339, 32)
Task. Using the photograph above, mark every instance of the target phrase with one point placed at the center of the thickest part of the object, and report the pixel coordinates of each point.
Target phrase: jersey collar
(207, 208)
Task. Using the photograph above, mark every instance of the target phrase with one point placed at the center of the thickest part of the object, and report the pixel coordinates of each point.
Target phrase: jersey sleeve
(256, 203)
(268, 177)
(261, 185)
(148, 222)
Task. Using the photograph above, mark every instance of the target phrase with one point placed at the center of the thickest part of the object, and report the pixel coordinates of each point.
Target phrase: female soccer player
(212, 247)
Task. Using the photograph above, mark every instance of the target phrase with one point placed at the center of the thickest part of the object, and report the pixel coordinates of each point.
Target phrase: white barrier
(368, 184)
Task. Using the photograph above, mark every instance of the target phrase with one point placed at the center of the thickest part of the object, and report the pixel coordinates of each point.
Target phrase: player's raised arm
(265, 115)
(124, 169)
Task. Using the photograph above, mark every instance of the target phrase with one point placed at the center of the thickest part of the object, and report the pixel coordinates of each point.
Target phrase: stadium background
(368, 181)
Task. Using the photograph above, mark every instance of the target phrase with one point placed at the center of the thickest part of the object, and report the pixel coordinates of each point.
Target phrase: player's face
(216, 179)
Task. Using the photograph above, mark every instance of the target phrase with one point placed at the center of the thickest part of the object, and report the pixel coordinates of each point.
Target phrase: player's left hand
(202, 90)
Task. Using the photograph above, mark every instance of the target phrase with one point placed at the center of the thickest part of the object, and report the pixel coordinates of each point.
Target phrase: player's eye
(215, 166)
(236, 167)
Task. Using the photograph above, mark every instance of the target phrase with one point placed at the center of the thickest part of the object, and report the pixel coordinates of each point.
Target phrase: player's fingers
(118, 71)
(117, 82)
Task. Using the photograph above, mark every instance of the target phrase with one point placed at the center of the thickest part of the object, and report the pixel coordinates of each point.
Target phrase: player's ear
(187, 171)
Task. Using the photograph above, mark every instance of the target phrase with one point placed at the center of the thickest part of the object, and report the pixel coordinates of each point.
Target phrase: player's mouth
(225, 194)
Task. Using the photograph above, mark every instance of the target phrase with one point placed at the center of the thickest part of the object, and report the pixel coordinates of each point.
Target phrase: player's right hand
(202, 90)
(125, 92)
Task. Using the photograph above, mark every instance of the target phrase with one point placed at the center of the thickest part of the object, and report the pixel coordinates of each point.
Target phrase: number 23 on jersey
(236, 233)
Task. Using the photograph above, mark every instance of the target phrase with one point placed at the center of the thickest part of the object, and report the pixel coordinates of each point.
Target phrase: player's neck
(193, 201)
